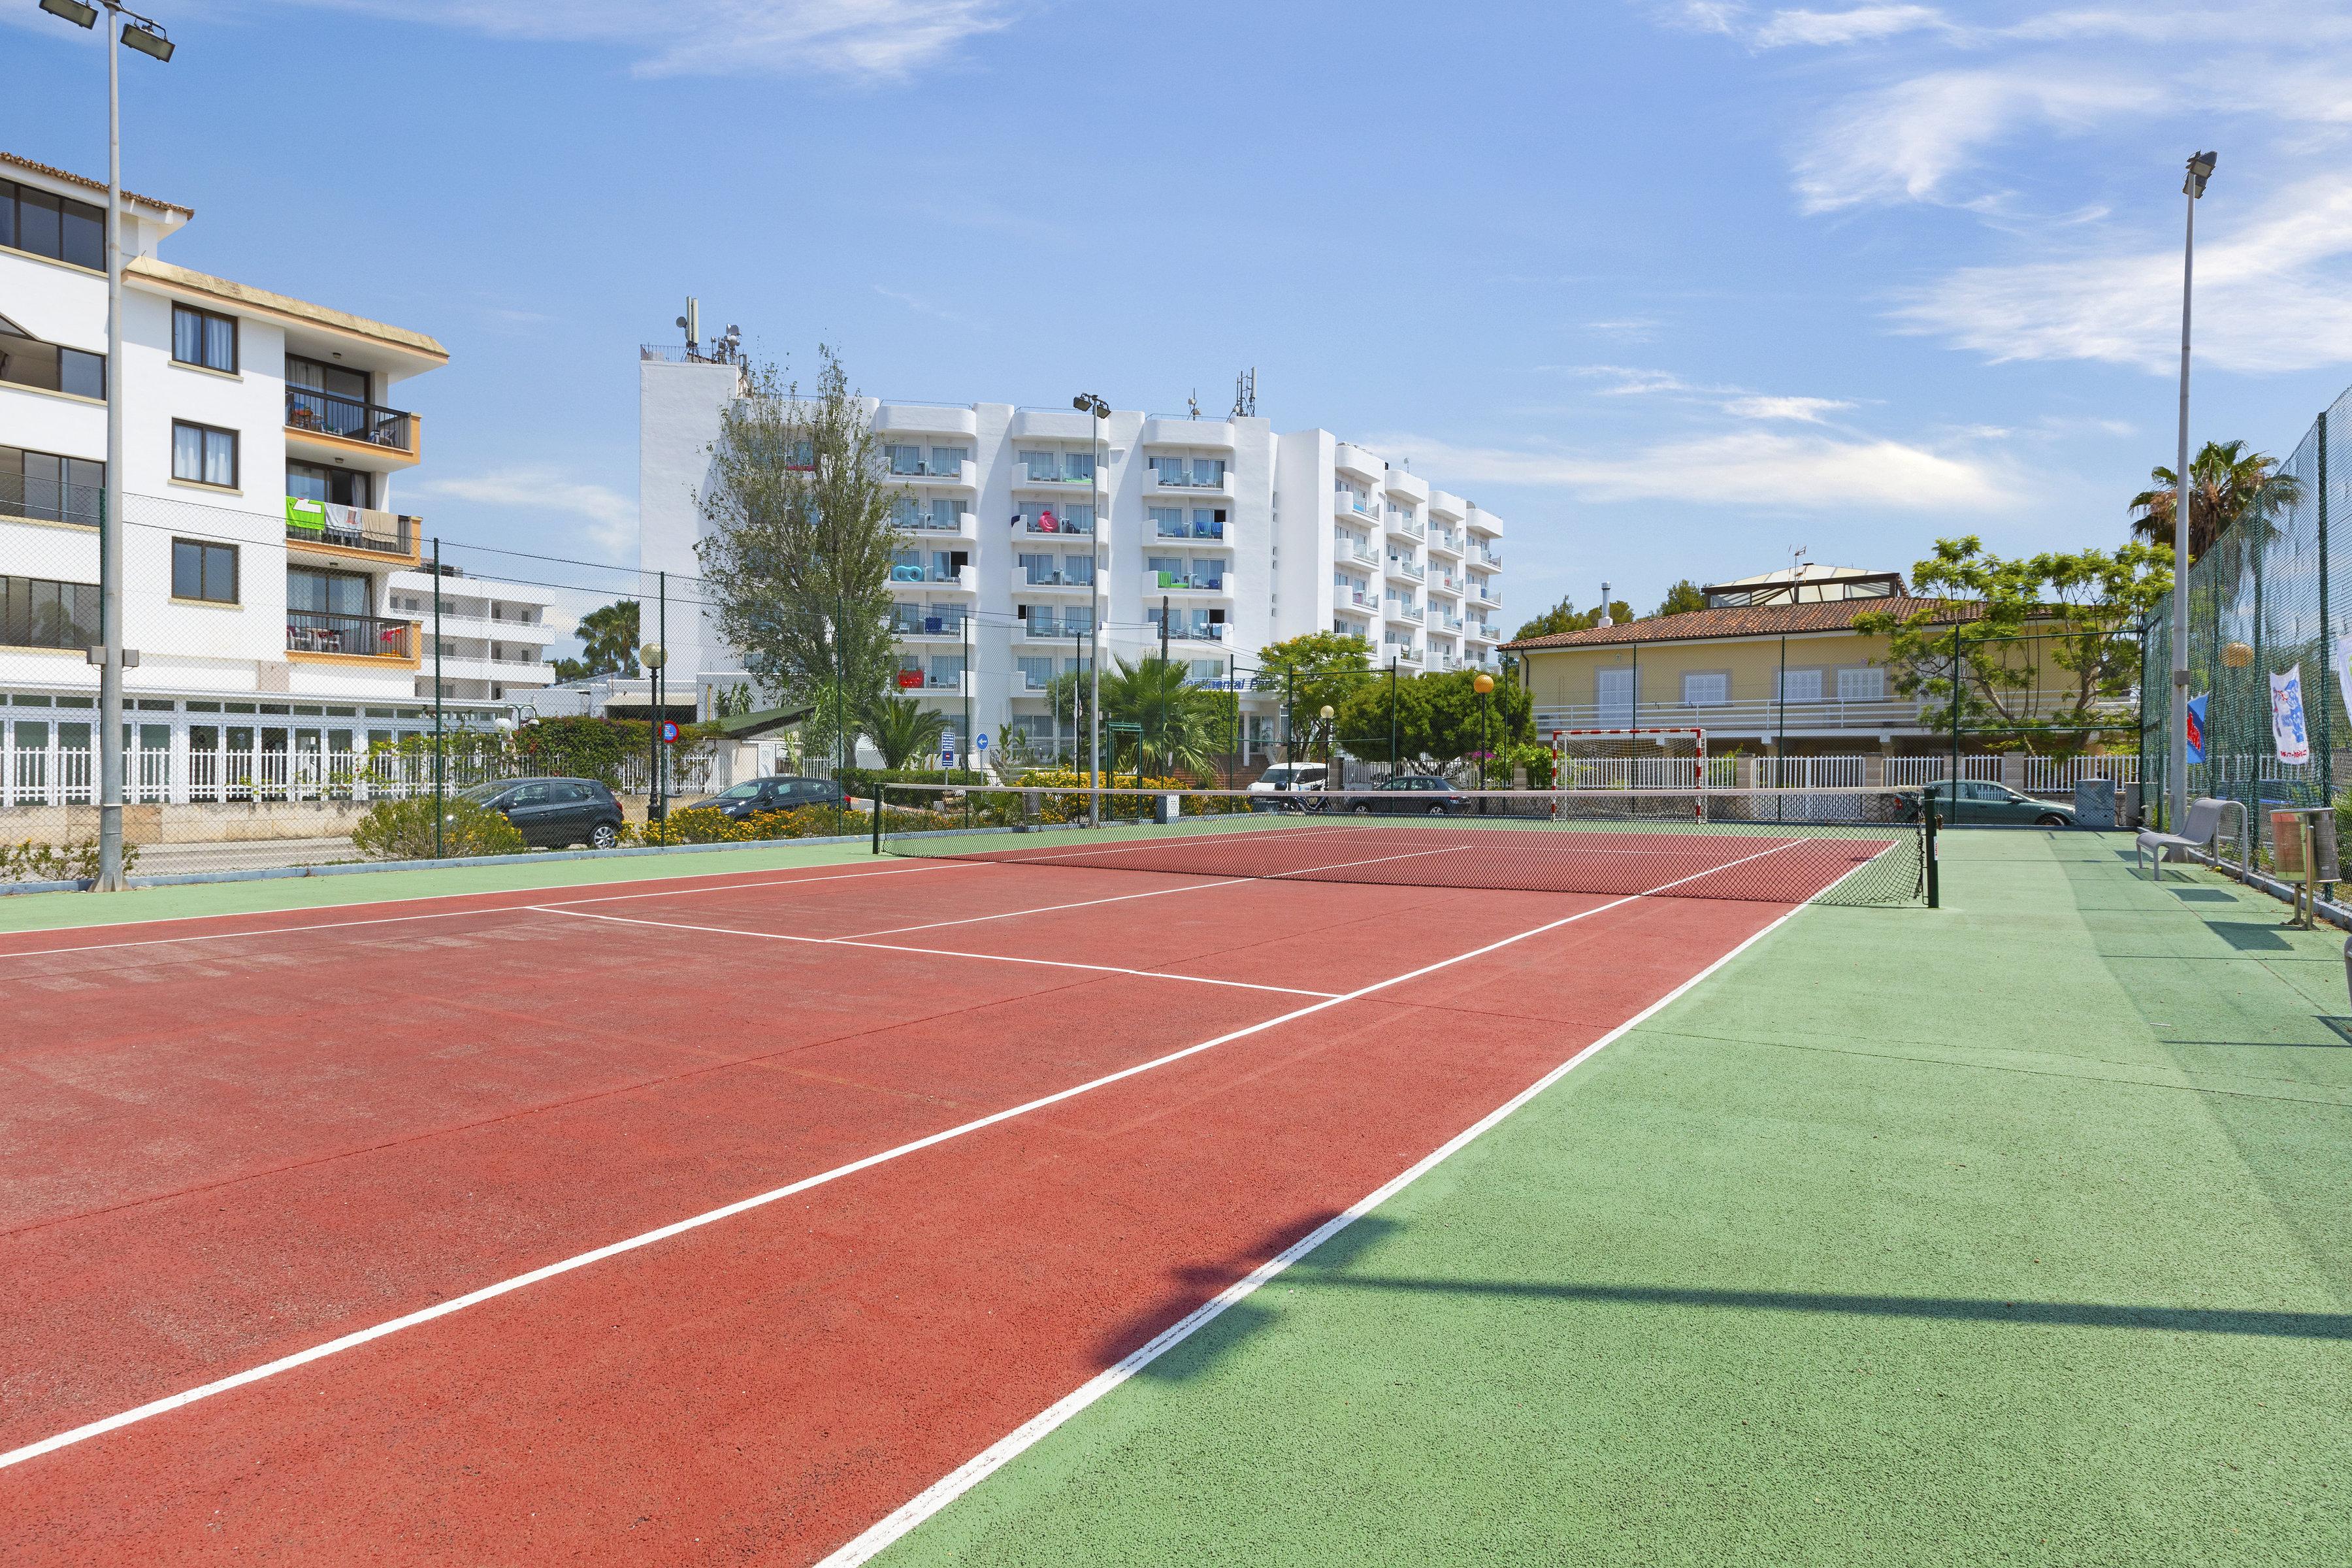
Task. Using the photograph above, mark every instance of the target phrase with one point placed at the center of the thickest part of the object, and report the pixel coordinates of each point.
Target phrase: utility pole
(440, 805)
(2201, 169)
(1161, 703)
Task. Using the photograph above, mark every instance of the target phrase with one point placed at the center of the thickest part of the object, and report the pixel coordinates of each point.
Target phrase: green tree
(2047, 644)
(802, 544)
(1437, 718)
(1682, 599)
(608, 644)
(1317, 669)
(2226, 482)
(1564, 616)
(902, 729)
(1179, 727)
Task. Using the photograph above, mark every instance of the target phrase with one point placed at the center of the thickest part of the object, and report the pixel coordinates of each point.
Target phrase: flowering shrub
(403, 830)
(30, 862)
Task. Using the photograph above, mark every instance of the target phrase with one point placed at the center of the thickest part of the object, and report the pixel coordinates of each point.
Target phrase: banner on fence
(2289, 733)
(2343, 671)
(2197, 727)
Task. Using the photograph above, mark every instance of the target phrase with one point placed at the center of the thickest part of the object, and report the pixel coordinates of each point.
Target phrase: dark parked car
(1977, 803)
(779, 794)
(555, 813)
(1418, 794)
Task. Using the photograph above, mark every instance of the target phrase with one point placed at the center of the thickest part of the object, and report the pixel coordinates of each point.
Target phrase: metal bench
(2203, 824)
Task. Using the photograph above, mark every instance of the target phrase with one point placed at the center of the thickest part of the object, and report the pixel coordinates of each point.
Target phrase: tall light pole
(147, 39)
(1088, 402)
(2201, 169)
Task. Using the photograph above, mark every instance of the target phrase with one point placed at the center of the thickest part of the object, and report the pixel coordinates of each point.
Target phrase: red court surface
(228, 1142)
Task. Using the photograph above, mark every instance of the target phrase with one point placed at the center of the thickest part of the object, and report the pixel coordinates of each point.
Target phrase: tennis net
(1793, 846)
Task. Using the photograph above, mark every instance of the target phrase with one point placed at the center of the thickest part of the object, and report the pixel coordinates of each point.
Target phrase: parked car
(1977, 803)
(1415, 794)
(782, 792)
(1289, 779)
(555, 813)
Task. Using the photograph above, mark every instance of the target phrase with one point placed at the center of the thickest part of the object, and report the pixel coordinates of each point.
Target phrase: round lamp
(2237, 655)
(1328, 713)
(652, 655)
(1483, 685)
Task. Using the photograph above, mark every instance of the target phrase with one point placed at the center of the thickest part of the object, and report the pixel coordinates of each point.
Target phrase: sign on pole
(669, 731)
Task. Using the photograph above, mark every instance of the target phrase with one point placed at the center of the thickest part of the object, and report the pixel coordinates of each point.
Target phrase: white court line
(450, 914)
(885, 1531)
(934, 951)
(1154, 893)
(170, 1403)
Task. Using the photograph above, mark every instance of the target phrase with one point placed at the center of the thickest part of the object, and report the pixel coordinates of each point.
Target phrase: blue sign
(669, 731)
(980, 742)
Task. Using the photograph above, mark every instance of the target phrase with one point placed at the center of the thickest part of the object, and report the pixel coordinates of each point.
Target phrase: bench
(2203, 823)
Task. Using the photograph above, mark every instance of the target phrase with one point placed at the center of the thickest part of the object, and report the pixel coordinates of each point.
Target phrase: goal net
(1664, 759)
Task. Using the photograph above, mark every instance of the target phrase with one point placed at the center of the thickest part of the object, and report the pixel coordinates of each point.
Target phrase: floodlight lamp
(1079, 402)
(73, 10)
(148, 39)
(2201, 169)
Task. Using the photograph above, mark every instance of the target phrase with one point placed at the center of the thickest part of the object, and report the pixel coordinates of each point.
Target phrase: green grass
(2015, 1232)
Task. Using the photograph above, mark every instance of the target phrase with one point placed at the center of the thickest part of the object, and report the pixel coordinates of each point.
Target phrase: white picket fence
(60, 775)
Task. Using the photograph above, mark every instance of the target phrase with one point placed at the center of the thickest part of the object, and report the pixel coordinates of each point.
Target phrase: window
(202, 570)
(1036, 674)
(52, 225)
(947, 514)
(51, 489)
(38, 613)
(29, 361)
(904, 460)
(336, 486)
(1867, 684)
(325, 593)
(950, 459)
(203, 338)
(1614, 691)
(1168, 522)
(1705, 690)
(1800, 686)
(204, 455)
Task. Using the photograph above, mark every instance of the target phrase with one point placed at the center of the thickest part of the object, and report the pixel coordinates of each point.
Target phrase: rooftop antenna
(1797, 575)
(731, 346)
(692, 322)
(1245, 394)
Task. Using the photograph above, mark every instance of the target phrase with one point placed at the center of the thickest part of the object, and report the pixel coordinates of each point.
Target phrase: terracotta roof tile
(87, 184)
(1746, 621)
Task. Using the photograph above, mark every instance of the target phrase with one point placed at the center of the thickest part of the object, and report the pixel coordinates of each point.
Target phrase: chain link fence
(2267, 624)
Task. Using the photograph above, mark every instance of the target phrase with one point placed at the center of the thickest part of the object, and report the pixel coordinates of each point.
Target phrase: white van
(1284, 778)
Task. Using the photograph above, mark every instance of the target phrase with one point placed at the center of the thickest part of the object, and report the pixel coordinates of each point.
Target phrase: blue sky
(1673, 288)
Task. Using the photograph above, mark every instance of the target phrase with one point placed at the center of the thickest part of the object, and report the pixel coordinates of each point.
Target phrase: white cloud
(610, 518)
(1864, 24)
(1907, 142)
(1807, 409)
(2274, 294)
(1753, 471)
(876, 40)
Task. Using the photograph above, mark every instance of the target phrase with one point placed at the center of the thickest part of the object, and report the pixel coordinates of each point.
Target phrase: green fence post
(878, 788)
(1928, 848)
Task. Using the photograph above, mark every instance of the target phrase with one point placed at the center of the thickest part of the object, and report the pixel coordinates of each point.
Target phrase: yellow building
(1773, 662)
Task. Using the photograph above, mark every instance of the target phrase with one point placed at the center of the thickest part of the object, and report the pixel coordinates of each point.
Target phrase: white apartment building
(263, 545)
(1245, 536)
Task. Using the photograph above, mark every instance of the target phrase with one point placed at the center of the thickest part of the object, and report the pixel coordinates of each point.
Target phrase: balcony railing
(1196, 583)
(372, 636)
(350, 527)
(1055, 580)
(49, 501)
(1412, 568)
(1036, 527)
(930, 680)
(919, 624)
(1200, 631)
(332, 413)
(1213, 532)
(1764, 715)
(1350, 501)
(924, 468)
(1047, 627)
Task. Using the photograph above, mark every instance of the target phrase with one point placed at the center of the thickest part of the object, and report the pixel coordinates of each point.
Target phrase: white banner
(2288, 731)
(2343, 670)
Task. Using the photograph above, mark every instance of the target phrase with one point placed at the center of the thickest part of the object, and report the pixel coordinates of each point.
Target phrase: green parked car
(1979, 803)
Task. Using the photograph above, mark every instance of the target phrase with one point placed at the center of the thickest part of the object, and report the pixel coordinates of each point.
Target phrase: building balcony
(49, 501)
(1404, 526)
(1054, 583)
(1412, 613)
(1158, 482)
(932, 683)
(1407, 571)
(1364, 601)
(1177, 582)
(1063, 528)
(1445, 583)
(1214, 434)
(371, 637)
(1480, 631)
(927, 525)
(1759, 716)
(1346, 547)
(1196, 631)
(1212, 534)
(912, 623)
(955, 580)
(1351, 506)
(1049, 628)
(963, 476)
(1443, 542)
(1353, 460)
(330, 424)
(1056, 483)
(1402, 652)
(323, 529)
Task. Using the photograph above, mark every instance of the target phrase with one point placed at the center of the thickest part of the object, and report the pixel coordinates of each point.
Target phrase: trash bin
(2094, 803)
(1167, 807)
(2286, 843)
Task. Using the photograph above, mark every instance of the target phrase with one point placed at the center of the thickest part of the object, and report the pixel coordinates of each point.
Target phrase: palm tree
(902, 729)
(1180, 726)
(2226, 483)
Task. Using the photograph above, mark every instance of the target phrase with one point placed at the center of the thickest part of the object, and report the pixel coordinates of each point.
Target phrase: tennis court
(727, 1215)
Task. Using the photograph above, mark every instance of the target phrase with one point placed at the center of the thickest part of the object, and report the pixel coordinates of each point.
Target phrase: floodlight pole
(109, 541)
(2178, 781)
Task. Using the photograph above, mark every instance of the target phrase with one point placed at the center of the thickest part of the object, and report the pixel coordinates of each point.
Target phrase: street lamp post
(147, 39)
(1329, 714)
(652, 655)
(1088, 402)
(2201, 169)
(1484, 684)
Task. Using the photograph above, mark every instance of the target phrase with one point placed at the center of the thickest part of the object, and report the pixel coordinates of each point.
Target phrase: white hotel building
(273, 589)
(1248, 537)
